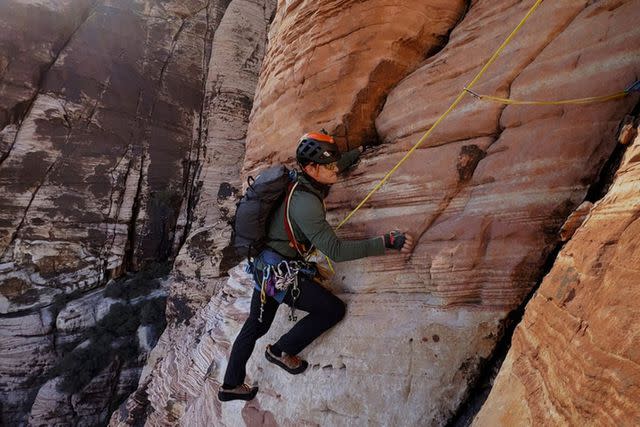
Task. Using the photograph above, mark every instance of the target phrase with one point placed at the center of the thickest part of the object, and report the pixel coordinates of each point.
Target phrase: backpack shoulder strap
(302, 251)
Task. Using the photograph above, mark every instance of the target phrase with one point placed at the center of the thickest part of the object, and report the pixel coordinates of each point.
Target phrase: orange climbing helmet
(317, 147)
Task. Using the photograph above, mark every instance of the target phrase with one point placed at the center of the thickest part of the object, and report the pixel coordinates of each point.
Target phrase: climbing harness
(635, 87)
(280, 277)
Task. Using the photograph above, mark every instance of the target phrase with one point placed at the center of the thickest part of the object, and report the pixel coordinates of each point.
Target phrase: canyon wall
(100, 116)
(126, 132)
(486, 197)
(92, 181)
(177, 369)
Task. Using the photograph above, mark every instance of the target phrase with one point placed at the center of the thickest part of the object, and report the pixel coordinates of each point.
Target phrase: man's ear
(311, 169)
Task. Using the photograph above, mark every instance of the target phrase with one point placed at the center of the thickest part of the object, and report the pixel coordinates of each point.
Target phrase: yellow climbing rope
(440, 119)
(467, 89)
(445, 114)
(588, 100)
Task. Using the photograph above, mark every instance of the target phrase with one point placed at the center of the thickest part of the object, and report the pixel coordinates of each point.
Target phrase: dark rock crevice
(174, 43)
(372, 137)
(114, 402)
(94, 107)
(74, 414)
(129, 256)
(600, 188)
(444, 40)
(106, 248)
(192, 165)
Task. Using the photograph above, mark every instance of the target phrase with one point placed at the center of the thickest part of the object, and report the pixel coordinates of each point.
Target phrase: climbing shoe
(241, 392)
(292, 364)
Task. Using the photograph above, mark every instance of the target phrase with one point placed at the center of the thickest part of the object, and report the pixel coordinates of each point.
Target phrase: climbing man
(299, 224)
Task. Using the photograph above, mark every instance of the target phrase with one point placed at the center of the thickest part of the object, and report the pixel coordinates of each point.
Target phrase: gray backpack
(255, 209)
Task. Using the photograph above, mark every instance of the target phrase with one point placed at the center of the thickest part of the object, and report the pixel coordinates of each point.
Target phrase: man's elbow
(337, 254)
(336, 257)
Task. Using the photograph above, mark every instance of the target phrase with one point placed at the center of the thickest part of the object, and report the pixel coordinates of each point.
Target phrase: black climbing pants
(324, 308)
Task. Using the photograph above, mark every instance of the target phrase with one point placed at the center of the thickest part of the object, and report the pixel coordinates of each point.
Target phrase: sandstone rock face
(93, 182)
(176, 370)
(26, 55)
(118, 159)
(486, 198)
(100, 115)
(574, 358)
(330, 65)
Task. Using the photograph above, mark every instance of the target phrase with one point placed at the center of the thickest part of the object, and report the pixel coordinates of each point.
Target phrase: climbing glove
(394, 240)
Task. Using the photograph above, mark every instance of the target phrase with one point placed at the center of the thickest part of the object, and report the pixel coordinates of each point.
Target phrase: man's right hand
(399, 241)
(407, 248)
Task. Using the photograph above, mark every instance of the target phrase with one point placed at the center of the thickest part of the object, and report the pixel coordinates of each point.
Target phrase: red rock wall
(486, 196)
(487, 228)
(356, 49)
(574, 359)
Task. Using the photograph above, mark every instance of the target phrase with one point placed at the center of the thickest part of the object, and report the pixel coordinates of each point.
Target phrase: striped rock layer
(101, 105)
(574, 358)
(137, 155)
(485, 196)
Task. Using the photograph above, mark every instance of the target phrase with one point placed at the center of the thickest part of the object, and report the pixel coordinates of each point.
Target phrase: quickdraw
(280, 277)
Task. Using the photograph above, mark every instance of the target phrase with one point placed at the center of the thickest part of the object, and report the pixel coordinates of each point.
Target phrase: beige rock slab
(413, 360)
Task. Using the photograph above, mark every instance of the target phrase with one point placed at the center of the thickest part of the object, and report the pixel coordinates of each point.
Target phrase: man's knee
(253, 329)
(339, 310)
(262, 330)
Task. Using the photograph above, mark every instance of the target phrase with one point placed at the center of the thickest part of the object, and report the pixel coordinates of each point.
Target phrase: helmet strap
(323, 188)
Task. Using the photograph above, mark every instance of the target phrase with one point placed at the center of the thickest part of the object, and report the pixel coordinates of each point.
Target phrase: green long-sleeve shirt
(308, 221)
